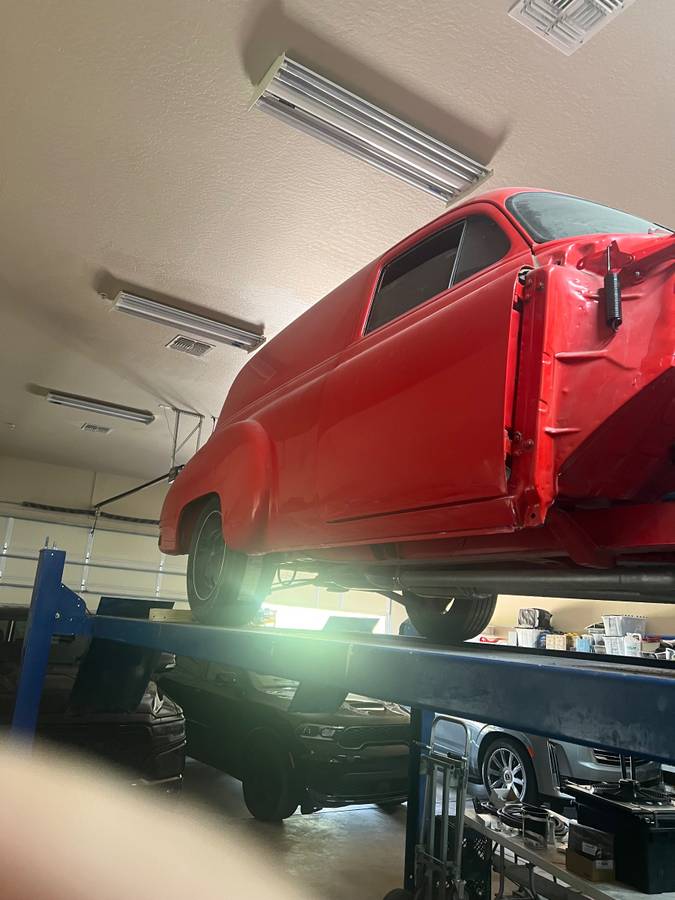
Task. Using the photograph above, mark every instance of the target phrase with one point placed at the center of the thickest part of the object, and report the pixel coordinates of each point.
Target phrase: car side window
(417, 275)
(483, 244)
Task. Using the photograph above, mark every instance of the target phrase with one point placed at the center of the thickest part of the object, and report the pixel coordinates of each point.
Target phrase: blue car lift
(571, 697)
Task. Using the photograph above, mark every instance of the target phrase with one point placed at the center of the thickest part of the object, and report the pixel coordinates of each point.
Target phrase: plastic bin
(617, 626)
(530, 637)
(614, 645)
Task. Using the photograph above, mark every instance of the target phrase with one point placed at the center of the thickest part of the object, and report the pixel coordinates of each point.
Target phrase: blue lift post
(630, 708)
(420, 731)
(54, 609)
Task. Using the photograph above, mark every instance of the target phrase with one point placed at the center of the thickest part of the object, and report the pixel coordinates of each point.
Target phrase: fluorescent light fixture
(567, 24)
(186, 321)
(130, 413)
(320, 107)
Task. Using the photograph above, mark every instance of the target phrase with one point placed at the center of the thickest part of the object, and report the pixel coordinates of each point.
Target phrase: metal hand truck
(438, 853)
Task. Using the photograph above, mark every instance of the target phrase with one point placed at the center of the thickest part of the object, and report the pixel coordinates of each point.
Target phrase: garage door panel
(173, 586)
(19, 571)
(29, 537)
(132, 549)
(115, 581)
(119, 563)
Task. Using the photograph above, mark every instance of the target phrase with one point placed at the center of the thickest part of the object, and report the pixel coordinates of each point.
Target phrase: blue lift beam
(626, 707)
(568, 697)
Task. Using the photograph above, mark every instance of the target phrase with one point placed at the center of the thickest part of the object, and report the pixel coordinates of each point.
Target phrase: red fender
(235, 464)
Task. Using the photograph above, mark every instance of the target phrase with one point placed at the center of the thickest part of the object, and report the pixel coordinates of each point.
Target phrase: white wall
(37, 482)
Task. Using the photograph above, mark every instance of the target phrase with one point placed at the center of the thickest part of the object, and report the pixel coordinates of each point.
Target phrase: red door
(412, 417)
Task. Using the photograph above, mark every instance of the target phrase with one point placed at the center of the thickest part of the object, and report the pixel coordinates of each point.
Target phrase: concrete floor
(352, 853)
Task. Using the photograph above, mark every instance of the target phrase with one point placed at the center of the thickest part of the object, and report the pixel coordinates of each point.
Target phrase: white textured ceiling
(128, 159)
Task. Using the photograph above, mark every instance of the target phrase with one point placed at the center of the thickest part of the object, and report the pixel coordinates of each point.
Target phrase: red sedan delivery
(488, 407)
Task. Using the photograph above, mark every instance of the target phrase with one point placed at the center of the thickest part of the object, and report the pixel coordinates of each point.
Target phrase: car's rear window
(548, 217)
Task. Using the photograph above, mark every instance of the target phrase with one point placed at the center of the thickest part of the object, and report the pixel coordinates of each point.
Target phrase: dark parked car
(253, 727)
(99, 698)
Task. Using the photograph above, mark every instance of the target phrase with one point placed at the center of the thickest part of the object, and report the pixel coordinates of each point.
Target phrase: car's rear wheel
(224, 586)
(450, 621)
(271, 791)
(506, 766)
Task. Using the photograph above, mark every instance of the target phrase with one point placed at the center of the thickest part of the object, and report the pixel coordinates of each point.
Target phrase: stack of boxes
(619, 635)
(623, 634)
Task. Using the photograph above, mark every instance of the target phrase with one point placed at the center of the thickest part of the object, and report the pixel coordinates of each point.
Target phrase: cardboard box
(556, 642)
(590, 842)
(590, 853)
(592, 869)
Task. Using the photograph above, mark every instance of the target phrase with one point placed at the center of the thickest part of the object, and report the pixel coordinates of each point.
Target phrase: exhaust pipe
(646, 585)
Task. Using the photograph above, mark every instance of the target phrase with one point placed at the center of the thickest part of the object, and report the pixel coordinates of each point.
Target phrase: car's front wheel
(507, 766)
(450, 621)
(271, 791)
(224, 586)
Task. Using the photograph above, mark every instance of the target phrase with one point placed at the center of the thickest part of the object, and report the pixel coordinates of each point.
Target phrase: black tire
(398, 894)
(270, 783)
(224, 586)
(500, 753)
(450, 621)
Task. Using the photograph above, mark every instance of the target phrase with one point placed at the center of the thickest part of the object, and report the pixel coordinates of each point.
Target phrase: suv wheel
(270, 784)
(224, 586)
(506, 764)
(450, 621)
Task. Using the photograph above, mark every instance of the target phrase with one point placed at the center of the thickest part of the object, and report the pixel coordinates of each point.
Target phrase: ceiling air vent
(567, 24)
(189, 346)
(95, 429)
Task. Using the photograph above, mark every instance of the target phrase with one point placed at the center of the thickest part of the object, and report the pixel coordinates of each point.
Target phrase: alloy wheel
(504, 770)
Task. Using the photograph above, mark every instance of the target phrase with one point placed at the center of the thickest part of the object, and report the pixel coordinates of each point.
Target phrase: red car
(488, 407)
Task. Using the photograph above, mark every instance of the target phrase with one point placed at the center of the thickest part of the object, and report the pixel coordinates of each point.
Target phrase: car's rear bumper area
(165, 764)
(149, 749)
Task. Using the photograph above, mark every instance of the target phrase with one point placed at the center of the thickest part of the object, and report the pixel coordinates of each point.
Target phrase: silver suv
(532, 766)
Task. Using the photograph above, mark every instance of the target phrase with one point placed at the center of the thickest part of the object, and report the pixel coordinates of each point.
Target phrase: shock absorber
(612, 294)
